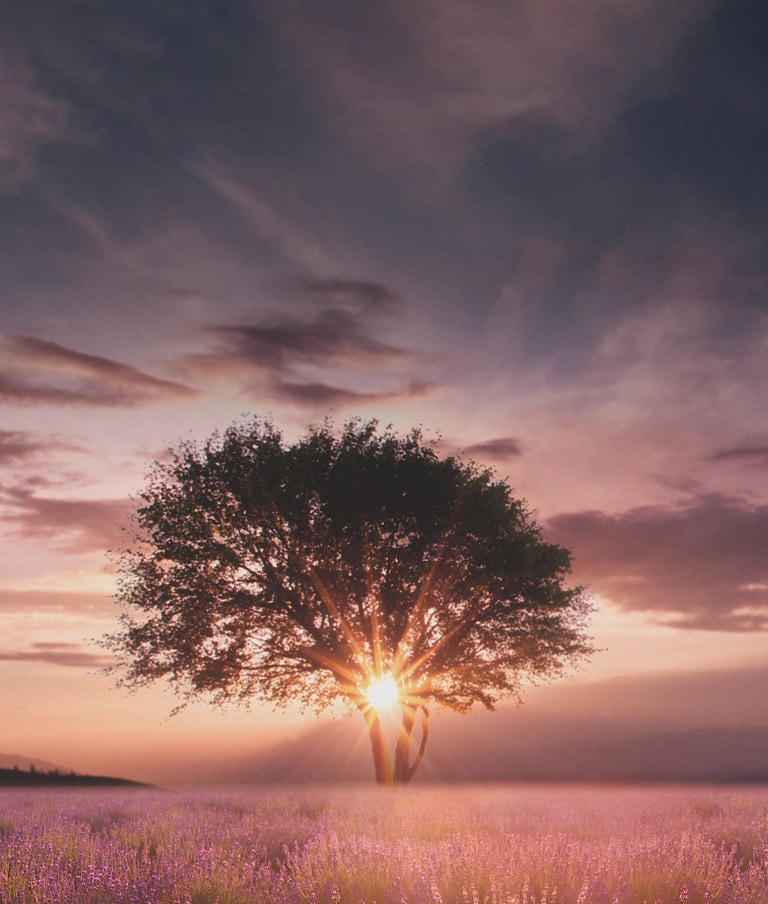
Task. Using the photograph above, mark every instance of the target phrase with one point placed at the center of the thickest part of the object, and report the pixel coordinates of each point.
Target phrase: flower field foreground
(499, 844)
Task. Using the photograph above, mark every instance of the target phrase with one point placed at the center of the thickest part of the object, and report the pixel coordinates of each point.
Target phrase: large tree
(357, 565)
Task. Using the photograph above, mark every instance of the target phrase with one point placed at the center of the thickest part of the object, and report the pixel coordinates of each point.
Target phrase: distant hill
(11, 760)
(37, 776)
(716, 754)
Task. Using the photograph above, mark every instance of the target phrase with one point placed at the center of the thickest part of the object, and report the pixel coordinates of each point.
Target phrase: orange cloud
(66, 654)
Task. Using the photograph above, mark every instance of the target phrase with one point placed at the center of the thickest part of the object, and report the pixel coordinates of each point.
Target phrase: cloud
(751, 456)
(268, 220)
(462, 68)
(30, 120)
(16, 445)
(700, 566)
(72, 525)
(334, 337)
(71, 655)
(44, 372)
(361, 295)
(55, 601)
(288, 357)
(501, 449)
(23, 446)
(325, 394)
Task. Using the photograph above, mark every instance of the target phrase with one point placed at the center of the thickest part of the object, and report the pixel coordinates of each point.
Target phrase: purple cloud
(22, 445)
(325, 394)
(358, 294)
(500, 449)
(73, 525)
(71, 655)
(334, 337)
(284, 356)
(44, 372)
(16, 445)
(751, 456)
(701, 566)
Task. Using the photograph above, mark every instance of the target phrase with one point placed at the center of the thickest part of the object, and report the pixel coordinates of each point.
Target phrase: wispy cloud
(31, 119)
(51, 601)
(325, 394)
(334, 337)
(464, 68)
(751, 456)
(358, 294)
(698, 566)
(72, 525)
(39, 371)
(71, 655)
(290, 357)
(502, 448)
(17, 445)
(268, 219)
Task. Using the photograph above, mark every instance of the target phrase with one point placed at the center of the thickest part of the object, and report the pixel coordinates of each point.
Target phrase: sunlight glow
(383, 693)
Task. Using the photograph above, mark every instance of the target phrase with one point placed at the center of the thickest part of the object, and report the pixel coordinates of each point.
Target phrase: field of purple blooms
(431, 845)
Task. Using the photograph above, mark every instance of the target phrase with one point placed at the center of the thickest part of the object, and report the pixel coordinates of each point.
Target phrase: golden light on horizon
(383, 693)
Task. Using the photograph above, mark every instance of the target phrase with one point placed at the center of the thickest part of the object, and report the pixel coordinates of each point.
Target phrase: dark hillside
(19, 778)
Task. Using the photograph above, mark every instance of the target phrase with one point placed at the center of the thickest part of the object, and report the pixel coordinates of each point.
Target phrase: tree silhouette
(357, 565)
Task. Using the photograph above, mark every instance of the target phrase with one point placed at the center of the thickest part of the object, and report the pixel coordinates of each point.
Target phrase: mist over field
(683, 727)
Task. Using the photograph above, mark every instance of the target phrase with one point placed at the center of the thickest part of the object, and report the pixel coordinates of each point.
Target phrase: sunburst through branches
(383, 693)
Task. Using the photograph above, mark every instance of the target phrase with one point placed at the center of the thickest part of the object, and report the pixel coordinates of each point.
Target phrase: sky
(537, 229)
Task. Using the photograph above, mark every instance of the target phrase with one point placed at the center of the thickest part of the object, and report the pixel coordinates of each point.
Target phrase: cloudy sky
(538, 229)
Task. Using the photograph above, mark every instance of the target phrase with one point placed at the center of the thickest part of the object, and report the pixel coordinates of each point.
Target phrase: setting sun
(383, 693)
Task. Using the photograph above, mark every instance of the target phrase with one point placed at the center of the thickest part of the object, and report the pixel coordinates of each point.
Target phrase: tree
(357, 565)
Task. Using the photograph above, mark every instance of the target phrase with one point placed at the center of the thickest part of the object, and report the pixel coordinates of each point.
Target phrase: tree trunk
(381, 765)
(403, 770)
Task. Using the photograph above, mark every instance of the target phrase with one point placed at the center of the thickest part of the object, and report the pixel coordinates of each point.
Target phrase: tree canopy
(344, 563)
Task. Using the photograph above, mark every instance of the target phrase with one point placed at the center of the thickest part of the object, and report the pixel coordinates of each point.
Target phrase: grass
(502, 844)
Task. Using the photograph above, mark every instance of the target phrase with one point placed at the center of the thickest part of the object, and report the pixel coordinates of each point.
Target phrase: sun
(383, 693)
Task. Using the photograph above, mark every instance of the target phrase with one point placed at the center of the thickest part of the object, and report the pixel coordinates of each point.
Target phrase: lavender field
(498, 844)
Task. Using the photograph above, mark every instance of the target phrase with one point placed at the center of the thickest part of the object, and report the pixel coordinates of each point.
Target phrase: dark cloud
(72, 525)
(590, 126)
(281, 356)
(143, 91)
(48, 373)
(357, 294)
(700, 566)
(71, 655)
(334, 337)
(704, 127)
(16, 445)
(500, 449)
(323, 394)
(753, 456)
(674, 179)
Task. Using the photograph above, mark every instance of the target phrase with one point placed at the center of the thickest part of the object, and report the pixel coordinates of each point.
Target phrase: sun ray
(421, 600)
